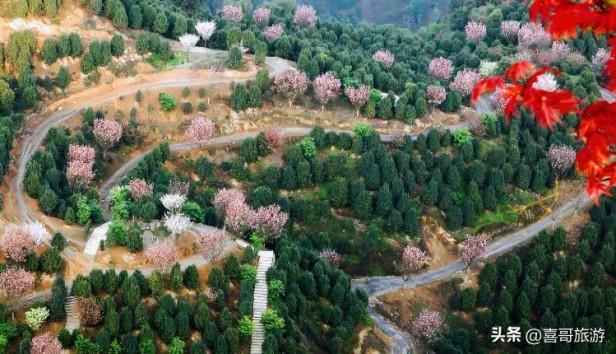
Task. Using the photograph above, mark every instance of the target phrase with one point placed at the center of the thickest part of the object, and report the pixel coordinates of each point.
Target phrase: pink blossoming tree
(473, 248)
(532, 35)
(326, 88)
(273, 138)
(79, 171)
(440, 68)
(211, 244)
(200, 131)
(16, 281)
(465, 81)
(331, 256)
(273, 32)
(436, 95)
(509, 30)
(475, 31)
(358, 96)
(89, 311)
(45, 344)
(232, 13)
(305, 16)
(139, 188)
(562, 158)
(291, 84)
(269, 220)
(107, 133)
(17, 243)
(412, 260)
(600, 58)
(384, 57)
(428, 325)
(162, 255)
(239, 216)
(224, 197)
(261, 16)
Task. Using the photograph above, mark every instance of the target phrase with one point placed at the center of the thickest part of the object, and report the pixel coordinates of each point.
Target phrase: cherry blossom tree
(107, 133)
(509, 29)
(225, 197)
(473, 248)
(384, 57)
(261, 16)
(305, 16)
(188, 41)
(600, 58)
(205, 30)
(45, 344)
(475, 31)
(440, 68)
(291, 83)
(173, 202)
(139, 188)
(38, 233)
(562, 158)
(428, 325)
(273, 32)
(331, 256)
(239, 217)
(176, 223)
(162, 254)
(358, 96)
(532, 35)
(436, 95)
(200, 131)
(560, 50)
(16, 281)
(465, 81)
(273, 138)
(176, 186)
(412, 260)
(232, 13)
(17, 243)
(269, 220)
(89, 311)
(211, 244)
(79, 171)
(326, 87)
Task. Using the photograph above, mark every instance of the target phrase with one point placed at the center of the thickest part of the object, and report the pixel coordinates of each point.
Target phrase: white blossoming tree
(205, 30)
(188, 41)
(176, 223)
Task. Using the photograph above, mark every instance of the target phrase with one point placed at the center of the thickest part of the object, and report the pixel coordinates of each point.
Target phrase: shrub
(167, 102)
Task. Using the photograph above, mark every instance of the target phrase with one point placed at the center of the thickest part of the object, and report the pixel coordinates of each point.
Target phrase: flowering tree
(600, 58)
(384, 57)
(473, 248)
(205, 30)
(173, 202)
(326, 87)
(358, 96)
(16, 281)
(269, 220)
(188, 41)
(412, 260)
(139, 188)
(210, 244)
(273, 32)
(200, 131)
(38, 233)
(232, 13)
(560, 50)
(176, 223)
(45, 344)
(79, 171)
(487, 68)
(331, 256)
(532, 35)
(440, 68)
(562, 158)
(291, 83)
(162, 254)
(305, 16)
(475, 31)
(509, 29)
(465, 81)
(35, 317)
(261, 16)
(89, 311)
(273, 138)
(107, 133)
(238, 216)
(428, 325)
(176, 186)
(436, 95)
(17, 243)
(546, 82)
(224, 197)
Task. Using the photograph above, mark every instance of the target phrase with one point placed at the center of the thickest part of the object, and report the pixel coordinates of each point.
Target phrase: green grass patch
(157, 62)
(506, 211)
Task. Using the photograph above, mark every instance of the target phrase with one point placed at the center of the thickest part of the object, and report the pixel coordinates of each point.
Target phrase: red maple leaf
(520, 70)
(549, 106)
(487, 85)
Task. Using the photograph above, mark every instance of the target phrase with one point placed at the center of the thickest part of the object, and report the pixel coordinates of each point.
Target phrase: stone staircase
(72, 317)
(259, 303)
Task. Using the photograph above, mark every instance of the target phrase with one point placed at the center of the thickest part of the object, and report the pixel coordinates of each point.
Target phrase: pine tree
(384, 201)
(63, 78)
(176, 278)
